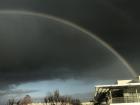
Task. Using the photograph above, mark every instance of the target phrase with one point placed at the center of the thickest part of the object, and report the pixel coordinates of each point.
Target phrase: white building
(87, 103)
(124, 92)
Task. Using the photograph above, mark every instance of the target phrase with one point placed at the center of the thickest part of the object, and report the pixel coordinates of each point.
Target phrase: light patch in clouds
(16, 92)
(67, 87)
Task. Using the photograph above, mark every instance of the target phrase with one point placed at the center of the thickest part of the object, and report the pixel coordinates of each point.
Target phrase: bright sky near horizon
(67, 87)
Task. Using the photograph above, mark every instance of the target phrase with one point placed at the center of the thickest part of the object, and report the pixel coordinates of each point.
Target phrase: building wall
(87, 103)
(126, 104)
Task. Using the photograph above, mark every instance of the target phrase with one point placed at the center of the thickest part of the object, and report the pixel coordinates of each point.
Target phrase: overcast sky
(37, 49)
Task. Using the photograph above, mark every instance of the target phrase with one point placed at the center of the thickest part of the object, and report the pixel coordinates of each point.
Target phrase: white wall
(87, 103)
(125, 104)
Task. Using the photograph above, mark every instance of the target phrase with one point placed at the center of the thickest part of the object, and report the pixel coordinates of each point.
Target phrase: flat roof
(118, 85)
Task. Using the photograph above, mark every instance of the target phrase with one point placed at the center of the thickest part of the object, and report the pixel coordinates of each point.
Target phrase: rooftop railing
(125, 100)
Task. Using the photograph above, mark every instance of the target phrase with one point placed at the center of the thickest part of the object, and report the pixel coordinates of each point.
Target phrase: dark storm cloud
(32, 49)
(115, 21)
(36, 48)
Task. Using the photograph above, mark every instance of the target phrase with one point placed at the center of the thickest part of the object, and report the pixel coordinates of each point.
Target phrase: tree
(26, 100)
(11, 102)
(46, 100)
(56, 93)
(75, 102)
(54, 98)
